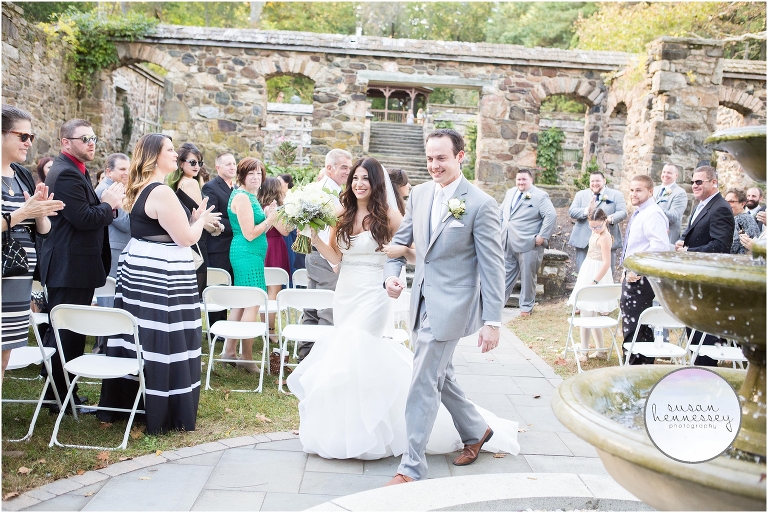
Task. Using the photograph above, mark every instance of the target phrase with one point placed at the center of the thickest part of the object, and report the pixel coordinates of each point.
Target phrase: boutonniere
(666, 193)
(604, 199)
(456, 208)
(527, 195)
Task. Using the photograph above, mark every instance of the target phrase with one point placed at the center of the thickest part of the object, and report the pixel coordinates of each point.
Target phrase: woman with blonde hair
(156, 283)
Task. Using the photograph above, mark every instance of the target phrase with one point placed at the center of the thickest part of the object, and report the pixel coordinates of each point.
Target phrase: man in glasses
(76, 258)
(710, 229)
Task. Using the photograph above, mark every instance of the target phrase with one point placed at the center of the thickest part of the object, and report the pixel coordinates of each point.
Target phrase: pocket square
(455, 224)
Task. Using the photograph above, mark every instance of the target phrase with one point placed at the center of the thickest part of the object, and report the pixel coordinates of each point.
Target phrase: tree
(323, 17)
(629, 27)
(42, 11)
(545, 24)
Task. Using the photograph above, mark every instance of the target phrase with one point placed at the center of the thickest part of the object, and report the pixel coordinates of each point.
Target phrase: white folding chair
(593, 293)
(216, 276)
(275, 276)
(235, 297)
(300, 278)
(22, 357)
(96, 321)
(656, 316)
(106, 290)
(717, 352)
(300, 299)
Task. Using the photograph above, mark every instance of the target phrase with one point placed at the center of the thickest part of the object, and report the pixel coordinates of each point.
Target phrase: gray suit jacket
(613, 204)
(453, 261)
(120, 229)
(531, 217)
(673, 204)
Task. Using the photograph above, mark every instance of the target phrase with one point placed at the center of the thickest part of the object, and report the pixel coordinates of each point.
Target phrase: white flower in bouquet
(305, 208)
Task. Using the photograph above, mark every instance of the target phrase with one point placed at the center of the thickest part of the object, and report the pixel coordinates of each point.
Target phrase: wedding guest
(594, 271)
(185, 182)
(100, 176)
(586, 201)
(399, 180)
(409, 117)
(672, 199)
(271, 193)
(43, 166)
(295, 260)
(250, 224)
(754, 195)
(164, 301)
(744, 222)
(25, 211)
(76, 257)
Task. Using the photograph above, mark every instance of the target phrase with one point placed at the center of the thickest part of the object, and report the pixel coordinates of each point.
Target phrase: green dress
(247, 258)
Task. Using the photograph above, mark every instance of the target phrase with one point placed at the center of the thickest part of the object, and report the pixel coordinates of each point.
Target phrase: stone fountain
(724, 295)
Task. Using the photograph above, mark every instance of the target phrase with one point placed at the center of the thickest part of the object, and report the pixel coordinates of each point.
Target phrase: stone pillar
(676, 108)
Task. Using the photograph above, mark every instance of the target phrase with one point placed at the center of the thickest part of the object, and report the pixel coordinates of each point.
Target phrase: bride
(353, 385)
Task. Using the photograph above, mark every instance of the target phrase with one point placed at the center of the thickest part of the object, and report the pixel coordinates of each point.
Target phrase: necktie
(439, 207)
(597, 198)
(661, 194)
(626, 235)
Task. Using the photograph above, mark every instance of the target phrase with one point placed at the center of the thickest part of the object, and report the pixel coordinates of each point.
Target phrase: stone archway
(741, 101)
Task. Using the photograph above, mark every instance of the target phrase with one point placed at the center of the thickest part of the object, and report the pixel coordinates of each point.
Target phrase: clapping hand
(760, 217)
(114, 195)
(205, 213)
(746, 241)
(41, 204)
(592, 205)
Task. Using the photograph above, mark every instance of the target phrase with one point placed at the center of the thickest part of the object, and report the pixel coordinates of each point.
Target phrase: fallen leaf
(88, 494)
(145, 478)
(13, 454)
(530, 346)
(295, 432)
(262, 418)
(103, 456)
(536, 396)
(226, 397)
(23, 470)
(533, 478)
(80, 472)
(99, 467)
(137, 432)
(158, 452)
(530, 424)
(10, 495)
(105, 425)
(227, 410)
(124, 458)
(499, 455)
(560, 361)
(41, 460)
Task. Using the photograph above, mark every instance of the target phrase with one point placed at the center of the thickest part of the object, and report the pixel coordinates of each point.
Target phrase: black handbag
(14, 256)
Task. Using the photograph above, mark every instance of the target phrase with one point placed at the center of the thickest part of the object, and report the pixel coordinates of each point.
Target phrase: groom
(456, 230)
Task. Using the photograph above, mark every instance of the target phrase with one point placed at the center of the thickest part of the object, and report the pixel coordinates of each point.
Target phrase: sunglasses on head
(193, 163)
(24, 137)
(84, 139)
(699, 182)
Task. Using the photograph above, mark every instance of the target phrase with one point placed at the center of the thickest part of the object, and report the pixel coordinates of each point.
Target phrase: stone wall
(35, 79)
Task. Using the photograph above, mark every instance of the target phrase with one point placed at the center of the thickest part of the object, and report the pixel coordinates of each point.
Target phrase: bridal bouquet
(307, 207)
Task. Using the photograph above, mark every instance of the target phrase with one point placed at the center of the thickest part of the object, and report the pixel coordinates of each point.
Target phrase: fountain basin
(746, 144)
(723, 295)
(588, 403)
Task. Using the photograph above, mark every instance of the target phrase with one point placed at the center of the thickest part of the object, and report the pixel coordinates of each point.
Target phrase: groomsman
(527, 222)
(586, 201)
(672, 199)
(320, 274)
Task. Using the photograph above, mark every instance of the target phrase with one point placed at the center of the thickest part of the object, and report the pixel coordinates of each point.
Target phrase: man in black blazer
(75, 258)
(218, 192)
(710, 229)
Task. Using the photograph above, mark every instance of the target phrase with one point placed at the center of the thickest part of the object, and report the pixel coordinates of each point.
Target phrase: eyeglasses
(85, 139)
(193, 163)
(699, 182)
(24, 137)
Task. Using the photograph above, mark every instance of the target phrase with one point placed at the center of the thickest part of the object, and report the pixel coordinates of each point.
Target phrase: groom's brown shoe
(399, 479)
(470, 452)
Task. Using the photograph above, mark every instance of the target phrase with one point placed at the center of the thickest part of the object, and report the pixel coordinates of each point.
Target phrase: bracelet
(493, 327)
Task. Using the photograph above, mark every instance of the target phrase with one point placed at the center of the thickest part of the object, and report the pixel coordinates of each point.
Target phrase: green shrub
(549, 155)
(301, 175)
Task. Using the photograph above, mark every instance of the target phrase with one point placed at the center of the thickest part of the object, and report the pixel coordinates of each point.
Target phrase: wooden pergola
(388, 92)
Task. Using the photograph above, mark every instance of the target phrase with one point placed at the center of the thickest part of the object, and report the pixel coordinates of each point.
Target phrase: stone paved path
(271, 472)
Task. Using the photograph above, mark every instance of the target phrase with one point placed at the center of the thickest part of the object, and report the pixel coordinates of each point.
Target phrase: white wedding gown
(353, 385)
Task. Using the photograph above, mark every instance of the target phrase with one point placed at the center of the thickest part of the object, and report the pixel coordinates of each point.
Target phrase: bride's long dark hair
(377, 220)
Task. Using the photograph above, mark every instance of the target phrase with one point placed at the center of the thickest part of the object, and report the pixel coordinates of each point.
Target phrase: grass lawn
(221, 415)
(545, 332)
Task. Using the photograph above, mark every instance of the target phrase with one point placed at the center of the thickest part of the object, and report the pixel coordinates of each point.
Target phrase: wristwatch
(596, 282)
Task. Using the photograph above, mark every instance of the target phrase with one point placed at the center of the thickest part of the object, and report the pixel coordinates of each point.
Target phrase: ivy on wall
(549, 155)
(91, 35)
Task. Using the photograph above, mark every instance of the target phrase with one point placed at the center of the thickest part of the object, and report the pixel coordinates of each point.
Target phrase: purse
(197, 257)
(14, 256)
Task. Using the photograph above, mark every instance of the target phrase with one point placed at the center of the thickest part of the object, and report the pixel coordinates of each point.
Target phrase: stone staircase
(400, 146)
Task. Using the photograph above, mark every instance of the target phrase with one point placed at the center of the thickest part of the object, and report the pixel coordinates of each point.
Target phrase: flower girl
(595, 271)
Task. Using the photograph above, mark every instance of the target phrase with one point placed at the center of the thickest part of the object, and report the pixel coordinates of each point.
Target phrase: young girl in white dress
(595, 270)
(353, 385)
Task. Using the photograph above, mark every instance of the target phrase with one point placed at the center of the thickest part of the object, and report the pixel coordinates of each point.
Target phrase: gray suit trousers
(319, 276)
(524, 266)
(433, 382)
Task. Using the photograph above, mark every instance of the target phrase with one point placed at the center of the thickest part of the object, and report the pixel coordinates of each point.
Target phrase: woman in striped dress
(25, 211)
(156, 282)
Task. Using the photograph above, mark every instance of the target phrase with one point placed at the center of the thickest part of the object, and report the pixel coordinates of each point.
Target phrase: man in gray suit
(119, 230)
(597, 196)
(455, 227)
(672, 199)
(527, 222)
